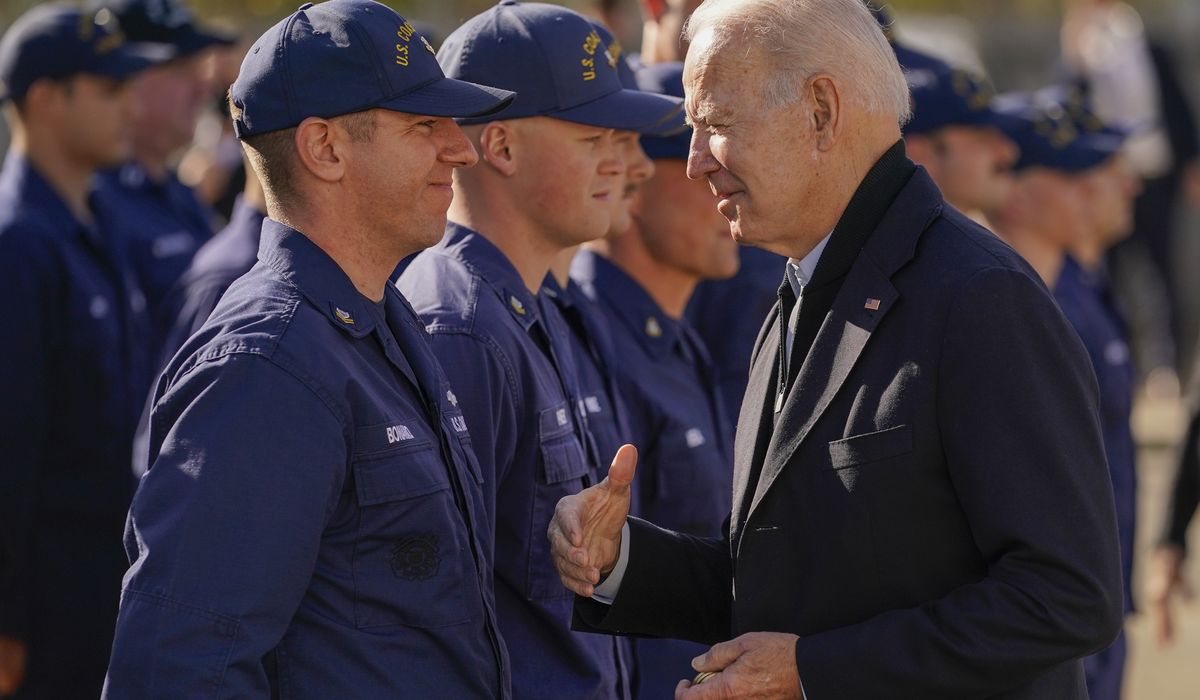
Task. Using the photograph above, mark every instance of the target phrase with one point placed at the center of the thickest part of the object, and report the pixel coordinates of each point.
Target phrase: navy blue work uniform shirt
(589, 341)
(685, 462)
(728, 314)
(1087, 301)
(310, 524)
(504, 356)
(164, 224)
(224, 258)
(74, 373)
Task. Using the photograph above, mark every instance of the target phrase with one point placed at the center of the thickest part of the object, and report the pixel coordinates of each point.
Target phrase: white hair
(803, 38)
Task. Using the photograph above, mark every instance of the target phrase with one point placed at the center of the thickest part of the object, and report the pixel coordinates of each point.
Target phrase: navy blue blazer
(933, 517)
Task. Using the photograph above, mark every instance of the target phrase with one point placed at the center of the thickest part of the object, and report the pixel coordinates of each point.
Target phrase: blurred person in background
(76, 374)
(549, 171)
(163, 220)
(640, 278)
(662, 29)
(959, 138)
(212, 166)
(1072, 201)
(1131, 81)
(225, 257)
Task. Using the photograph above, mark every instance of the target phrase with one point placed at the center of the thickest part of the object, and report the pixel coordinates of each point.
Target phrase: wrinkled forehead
(717, 70)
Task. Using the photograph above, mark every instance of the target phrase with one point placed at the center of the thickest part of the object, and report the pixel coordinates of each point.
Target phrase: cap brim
(448, 97)
(188, 40)
(1004, 121)
(677, 146)
(627, 110)
(130, 59)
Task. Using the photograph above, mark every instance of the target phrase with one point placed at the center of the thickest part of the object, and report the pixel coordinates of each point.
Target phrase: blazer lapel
(750, 443)
(864, 299)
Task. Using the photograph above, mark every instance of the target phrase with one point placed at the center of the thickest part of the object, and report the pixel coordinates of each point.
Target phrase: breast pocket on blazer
(412, 561)
(859, 450)
(564, 471)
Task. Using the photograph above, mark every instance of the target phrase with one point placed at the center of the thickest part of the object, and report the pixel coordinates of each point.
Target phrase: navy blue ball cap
(912, 59)
(675, 122)
(346, 56)
(166, 22)
(1049, 138)
(58, 41)
(665, 79)
(944, 96)
(557, 63)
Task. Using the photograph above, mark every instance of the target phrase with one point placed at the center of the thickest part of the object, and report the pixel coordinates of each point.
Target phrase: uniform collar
(657, 332)
(482, 257)
(302, 263)
(32, 190)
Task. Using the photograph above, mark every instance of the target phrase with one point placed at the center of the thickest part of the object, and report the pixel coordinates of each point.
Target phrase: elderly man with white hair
(921, 507)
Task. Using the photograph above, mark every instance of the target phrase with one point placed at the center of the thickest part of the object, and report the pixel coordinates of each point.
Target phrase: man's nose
(701, 163)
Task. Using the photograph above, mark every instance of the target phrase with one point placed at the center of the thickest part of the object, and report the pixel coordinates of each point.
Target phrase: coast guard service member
(1073, 199)
(590, 337)
(75, 371)
(312, 525)
(959, 137)
(164, 221)
(548, 172)
(641, 280)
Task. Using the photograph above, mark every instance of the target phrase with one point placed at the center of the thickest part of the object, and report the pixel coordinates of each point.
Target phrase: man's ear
(498, 147)
(43, 98)
(320, 148)
(825, 110)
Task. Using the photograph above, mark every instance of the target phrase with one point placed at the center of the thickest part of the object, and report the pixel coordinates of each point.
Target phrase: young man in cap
(591, 340)
(76, 373)
(548, 173)
(959, 137)
(164, 220)
(641, 280)
(310, 525)
(1072, 200)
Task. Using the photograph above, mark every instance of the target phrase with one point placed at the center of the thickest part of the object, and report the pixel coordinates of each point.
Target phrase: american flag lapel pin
(871, 305)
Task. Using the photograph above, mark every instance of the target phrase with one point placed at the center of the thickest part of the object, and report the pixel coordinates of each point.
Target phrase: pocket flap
(563, 460)
(401, 474)
(871, 447)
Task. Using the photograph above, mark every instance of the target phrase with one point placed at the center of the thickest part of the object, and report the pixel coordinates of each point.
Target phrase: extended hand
(755, 666)
(12, 665)
(1164, 582)
(585, 532)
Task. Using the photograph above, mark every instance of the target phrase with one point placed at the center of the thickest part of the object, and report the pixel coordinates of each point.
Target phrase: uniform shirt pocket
(564, 471)
(412, 561)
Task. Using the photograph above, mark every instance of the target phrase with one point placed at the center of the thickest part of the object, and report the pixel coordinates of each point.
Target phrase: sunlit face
(637, 169)
(680, 227)
(1110, 190)
(570, 174)
(96, 116)
(403, 175)
(1057, 200)
(761, 162)
(971, 165)
(170, 97)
